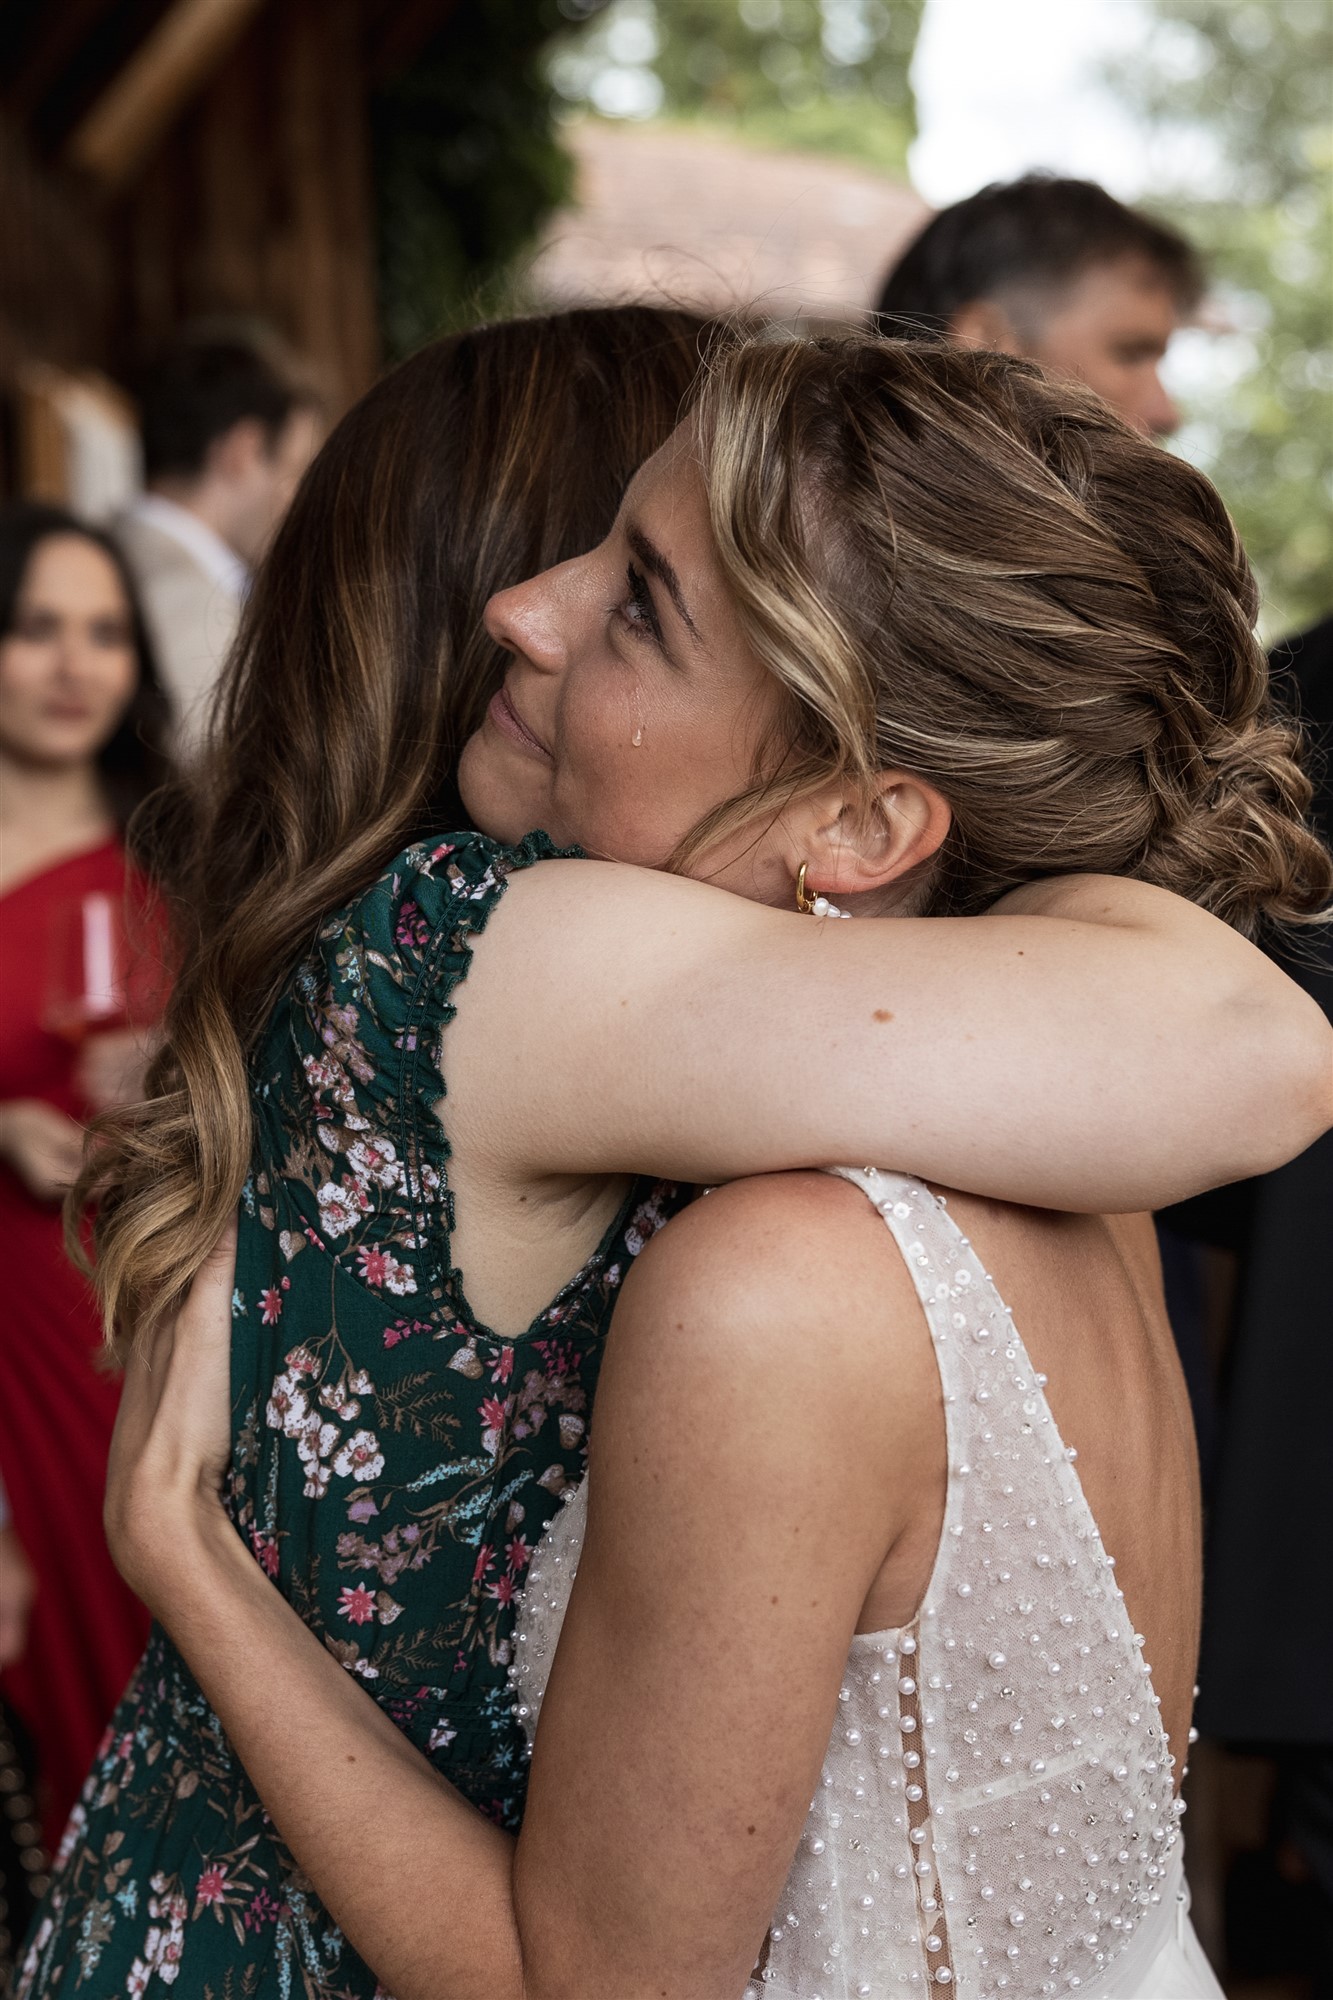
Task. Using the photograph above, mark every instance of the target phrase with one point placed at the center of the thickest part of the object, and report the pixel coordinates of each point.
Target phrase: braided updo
(958, 568)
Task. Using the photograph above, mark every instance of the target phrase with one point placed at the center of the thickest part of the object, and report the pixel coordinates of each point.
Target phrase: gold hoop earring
(814, 906)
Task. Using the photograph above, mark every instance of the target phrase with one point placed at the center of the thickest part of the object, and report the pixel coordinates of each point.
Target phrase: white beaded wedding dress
(996, 1813)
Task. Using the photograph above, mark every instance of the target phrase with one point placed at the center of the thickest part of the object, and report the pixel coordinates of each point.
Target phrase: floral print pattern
(394, 1464)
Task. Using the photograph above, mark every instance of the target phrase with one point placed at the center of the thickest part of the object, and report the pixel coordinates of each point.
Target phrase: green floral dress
(394, 1466)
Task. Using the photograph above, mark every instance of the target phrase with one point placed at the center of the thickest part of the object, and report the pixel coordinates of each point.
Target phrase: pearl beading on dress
(995, 1816)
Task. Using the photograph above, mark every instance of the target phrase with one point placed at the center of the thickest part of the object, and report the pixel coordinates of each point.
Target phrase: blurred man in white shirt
(228, 430)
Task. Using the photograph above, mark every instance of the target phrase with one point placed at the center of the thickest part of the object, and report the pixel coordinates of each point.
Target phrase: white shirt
(216, 558)
(192, 586)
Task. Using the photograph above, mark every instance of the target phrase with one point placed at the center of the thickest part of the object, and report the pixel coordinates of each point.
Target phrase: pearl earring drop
(814, 906)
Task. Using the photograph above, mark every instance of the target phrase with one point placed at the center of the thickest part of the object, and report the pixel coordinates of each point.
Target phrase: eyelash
(640, 598)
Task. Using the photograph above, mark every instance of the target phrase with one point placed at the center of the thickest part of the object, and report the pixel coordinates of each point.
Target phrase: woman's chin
(496, 804)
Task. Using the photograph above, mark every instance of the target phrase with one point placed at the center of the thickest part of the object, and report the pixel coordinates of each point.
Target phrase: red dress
(56, 1408)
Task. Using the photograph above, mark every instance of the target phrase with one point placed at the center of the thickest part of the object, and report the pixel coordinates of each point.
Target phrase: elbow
(1287, 1065)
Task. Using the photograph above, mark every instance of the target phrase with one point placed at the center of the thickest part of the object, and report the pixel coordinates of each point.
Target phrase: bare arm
(1095, 1044)
(698, 1670)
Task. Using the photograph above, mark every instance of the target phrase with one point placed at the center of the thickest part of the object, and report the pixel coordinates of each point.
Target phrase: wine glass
(87, 970)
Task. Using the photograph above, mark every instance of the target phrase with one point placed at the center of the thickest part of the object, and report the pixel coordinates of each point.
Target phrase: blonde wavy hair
(958, 568)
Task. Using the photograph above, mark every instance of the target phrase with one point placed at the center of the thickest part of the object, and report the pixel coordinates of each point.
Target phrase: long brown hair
(958, 568)
(360, 669)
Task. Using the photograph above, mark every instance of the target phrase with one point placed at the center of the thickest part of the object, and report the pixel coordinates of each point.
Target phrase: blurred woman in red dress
(82, 729)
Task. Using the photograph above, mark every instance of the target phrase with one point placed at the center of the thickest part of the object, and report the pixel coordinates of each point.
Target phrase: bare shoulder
(793, 1276)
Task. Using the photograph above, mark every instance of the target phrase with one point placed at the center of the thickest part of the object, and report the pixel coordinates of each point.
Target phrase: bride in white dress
(906, 629)
(997, 1812)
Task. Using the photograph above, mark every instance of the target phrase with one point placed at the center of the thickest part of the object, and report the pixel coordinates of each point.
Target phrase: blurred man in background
(1060, 271)
(228, 430)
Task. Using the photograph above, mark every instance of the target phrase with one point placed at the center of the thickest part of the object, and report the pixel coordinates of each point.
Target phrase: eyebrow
(657, 565)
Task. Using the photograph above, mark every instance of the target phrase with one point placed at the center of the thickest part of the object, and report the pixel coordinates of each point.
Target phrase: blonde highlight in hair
(954, 567)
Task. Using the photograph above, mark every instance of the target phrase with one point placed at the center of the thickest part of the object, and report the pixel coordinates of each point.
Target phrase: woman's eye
(637, 610)
(111, 632)
(36, 626)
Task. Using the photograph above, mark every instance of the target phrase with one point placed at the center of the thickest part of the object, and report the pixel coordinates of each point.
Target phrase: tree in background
(467, 165)
(467, 157)
(1239, 92)
(828, 75)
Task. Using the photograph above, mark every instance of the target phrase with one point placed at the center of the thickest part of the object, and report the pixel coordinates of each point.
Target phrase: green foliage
(829, 76)
(467, 166)
(1254, 80)
(467, 158)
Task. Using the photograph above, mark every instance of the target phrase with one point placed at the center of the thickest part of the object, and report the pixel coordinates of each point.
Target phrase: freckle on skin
(881, 1014)
(749, 1829)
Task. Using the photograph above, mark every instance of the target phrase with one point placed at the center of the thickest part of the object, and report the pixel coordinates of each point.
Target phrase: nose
(1159, 416)
(524, 620)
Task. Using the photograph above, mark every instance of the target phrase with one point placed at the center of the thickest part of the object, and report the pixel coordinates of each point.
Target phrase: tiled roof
(670, 212)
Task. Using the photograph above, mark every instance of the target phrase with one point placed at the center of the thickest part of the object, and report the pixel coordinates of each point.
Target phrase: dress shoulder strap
(371, 1009)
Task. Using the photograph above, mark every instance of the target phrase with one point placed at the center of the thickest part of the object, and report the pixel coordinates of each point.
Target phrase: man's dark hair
(1039, 231)
(201, 387)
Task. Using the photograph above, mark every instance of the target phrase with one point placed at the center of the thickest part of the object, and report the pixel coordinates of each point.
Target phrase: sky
(1005, 85)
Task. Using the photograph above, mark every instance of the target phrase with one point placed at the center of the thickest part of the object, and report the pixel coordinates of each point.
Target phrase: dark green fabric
(394, 1464)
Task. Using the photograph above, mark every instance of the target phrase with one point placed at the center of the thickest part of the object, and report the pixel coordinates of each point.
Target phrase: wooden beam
(139, 104)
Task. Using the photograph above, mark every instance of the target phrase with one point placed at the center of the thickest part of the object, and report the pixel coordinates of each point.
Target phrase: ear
(233, 455)
(852, 848)
(985, 323)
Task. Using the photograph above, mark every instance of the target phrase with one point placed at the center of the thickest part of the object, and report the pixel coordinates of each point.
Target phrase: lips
(507, 719)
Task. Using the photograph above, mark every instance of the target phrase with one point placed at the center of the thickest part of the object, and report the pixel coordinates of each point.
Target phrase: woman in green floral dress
(395, 1460)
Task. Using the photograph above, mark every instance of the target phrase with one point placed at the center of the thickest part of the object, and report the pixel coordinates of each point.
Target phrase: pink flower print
(518, 1553)
(374, 1264)
(381, 1267)
(362, 1508)
(375, 1160)
(398, 1278)
(340, 1023)
(493, 1416)
(302, 1362)
(338, 1211)
(263, 1909)
(212, 1884)
(358, 1604)
(502, 1590)
(441, 1736)
(139, 1976)
(485, 1557)
(439, 853)
(504, 1365)
(266, 1552)
(412, 930)
(360, 1458)
(271, 1303)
